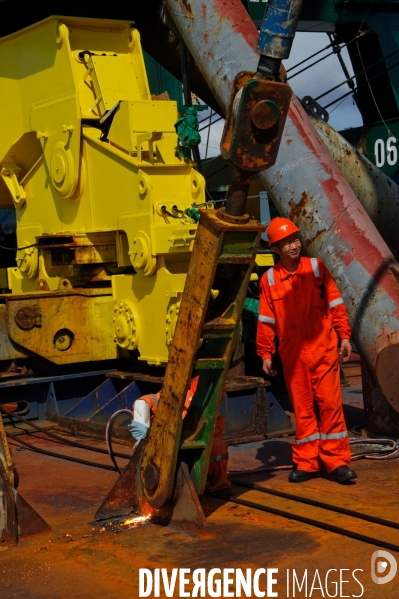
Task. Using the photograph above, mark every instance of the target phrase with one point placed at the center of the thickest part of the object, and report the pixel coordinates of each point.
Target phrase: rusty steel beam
(307, 185)
(378, 194)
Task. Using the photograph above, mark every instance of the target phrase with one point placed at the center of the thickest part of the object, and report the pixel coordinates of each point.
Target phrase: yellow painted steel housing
(106, 207)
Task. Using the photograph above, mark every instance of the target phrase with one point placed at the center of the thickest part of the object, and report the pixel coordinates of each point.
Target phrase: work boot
(343, 474)
(301, 476)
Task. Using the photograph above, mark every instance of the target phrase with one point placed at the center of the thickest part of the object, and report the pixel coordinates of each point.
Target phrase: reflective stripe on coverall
(306, 312)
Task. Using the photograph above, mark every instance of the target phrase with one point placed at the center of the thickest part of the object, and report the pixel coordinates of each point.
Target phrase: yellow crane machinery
(110, 259)
(89, 161)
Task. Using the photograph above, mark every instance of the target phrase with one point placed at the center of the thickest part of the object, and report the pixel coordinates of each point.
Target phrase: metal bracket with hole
(314, 108)
(9, 174)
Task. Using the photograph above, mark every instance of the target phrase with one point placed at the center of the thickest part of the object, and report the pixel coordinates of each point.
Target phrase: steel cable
(211, 123)
(315, 503)
(356, 75)
(345, 45)
(67, 441)
(361, 85)
(61, 456)
(25, 247)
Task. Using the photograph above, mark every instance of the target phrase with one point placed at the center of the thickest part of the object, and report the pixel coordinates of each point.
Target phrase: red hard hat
(279, 228)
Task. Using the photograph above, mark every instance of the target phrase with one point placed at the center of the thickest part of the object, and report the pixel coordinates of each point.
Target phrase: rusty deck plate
(84, 560)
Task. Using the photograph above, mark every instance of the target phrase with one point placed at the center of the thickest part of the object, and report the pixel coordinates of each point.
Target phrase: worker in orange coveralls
(300, 303)
(144, 411)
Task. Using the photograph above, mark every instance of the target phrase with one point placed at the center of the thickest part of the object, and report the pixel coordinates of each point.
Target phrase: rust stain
(187, 6)
(309, 242)
(299, 209)
(78, 554)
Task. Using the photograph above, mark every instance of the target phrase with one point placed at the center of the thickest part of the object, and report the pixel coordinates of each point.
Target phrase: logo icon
(383, 558)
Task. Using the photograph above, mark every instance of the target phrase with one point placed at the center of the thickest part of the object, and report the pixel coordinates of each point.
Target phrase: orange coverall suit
(306, 312)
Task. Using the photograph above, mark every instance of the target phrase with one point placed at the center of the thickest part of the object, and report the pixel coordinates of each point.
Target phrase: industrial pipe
(307, 186)
(378, 194)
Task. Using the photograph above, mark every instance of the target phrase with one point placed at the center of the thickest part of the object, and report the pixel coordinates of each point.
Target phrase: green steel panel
(311, 10)
(319, 11)
(256, 9)
(160, 80)
(378, 144)
(329, 10)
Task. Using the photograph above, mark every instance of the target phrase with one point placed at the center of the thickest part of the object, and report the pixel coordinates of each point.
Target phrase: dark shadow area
(274, 453)
(353, 416)
(9, 240)
(268, 453)
(245, 457)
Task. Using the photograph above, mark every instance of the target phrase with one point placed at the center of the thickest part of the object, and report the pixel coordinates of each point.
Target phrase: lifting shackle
(258, 107)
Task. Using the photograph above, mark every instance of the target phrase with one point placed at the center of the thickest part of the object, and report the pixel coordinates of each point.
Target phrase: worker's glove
(141, 421)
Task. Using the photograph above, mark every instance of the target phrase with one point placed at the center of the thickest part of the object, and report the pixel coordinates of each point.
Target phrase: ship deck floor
(84, 560)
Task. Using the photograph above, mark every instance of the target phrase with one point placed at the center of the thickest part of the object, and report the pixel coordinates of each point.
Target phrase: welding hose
(108, 432)
(393, 449)
(377, 441)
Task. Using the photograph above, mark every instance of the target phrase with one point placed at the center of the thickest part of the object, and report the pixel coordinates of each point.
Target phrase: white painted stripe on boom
(267, 319)
(315, 266)
(336, 302)
(270, 276)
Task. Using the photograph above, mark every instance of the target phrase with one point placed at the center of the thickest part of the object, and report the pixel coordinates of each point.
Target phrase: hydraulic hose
(393, 450)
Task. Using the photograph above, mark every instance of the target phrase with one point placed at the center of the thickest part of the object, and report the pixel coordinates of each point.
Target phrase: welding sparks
(135, 521)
